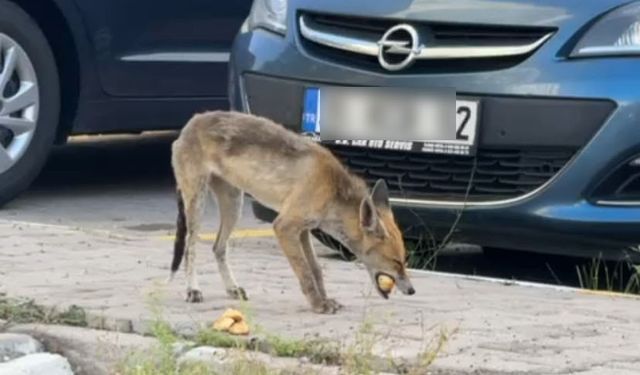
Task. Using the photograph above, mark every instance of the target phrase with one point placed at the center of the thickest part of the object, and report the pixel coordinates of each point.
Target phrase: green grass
(430, 352)
(622, 277)
(358, 358)
(210, 337)
(316, 350)
(596, 274)
(163, 361)
(21, 311)
(355, 359)
(422, 255)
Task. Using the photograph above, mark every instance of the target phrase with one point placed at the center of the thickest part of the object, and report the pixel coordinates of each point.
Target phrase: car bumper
(562, 216)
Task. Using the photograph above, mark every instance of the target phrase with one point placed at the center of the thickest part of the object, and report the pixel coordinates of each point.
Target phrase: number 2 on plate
(466, 113)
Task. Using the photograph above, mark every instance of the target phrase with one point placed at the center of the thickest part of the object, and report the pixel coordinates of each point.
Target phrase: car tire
(29, 100)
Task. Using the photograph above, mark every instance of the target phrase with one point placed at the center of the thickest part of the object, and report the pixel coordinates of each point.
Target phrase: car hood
(548, 13)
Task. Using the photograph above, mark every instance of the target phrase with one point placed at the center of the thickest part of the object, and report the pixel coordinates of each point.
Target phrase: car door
(163, 48)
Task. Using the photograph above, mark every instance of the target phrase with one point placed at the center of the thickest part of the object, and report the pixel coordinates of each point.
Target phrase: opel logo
(400, 40)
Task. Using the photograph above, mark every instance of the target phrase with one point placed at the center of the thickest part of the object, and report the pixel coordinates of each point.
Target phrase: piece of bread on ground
(239, 328)
(223, 324)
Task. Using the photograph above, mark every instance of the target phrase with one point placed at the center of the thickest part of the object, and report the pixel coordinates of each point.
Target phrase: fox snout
(385, 282)
(405, 286)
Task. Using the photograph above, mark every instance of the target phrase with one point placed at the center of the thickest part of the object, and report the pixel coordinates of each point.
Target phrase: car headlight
(615, 34)
(269, 14)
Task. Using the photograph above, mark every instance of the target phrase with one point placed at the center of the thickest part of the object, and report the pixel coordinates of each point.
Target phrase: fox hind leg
(229, 199)
(193, 199)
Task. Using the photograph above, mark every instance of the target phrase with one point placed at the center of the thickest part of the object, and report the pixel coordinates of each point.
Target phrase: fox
(232, 154)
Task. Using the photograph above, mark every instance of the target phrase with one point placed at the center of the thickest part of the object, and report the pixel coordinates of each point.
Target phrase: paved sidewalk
(502, 328)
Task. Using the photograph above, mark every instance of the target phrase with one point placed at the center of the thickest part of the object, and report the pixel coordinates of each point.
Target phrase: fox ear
(380, 194)
(368, 215)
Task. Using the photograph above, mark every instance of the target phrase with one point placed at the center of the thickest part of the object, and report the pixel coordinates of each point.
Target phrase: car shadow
(106, 160)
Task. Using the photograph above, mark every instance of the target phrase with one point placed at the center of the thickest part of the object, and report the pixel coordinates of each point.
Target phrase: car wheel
(332, 243)
(29, 100)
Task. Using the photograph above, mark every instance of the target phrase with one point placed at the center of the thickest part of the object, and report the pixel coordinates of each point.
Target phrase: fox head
(378, 243)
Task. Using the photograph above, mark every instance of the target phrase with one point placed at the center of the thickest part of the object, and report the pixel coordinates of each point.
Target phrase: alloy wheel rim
(19, 102)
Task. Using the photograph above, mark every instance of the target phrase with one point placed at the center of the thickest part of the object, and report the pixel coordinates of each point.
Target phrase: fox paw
(238, 293)
(194, 296)
(328, 306)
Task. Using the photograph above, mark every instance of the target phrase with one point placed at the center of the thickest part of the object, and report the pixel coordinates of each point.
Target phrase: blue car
(100, 66)
(546, 156)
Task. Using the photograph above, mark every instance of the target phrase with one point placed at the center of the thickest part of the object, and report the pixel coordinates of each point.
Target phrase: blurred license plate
(433, 122)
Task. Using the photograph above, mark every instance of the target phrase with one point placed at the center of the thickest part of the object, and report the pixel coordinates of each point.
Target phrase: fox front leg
(289, 234)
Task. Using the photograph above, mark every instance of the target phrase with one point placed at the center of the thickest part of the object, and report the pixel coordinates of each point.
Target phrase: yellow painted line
(240, 233)
(604, 293)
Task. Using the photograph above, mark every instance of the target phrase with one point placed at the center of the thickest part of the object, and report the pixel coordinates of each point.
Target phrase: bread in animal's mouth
(385, 283)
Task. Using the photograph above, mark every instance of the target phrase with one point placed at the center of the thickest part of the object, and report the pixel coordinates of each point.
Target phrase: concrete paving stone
(499, 328)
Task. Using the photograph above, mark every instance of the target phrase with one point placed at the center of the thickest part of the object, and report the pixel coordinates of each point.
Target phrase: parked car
(547, 152)
(98, 66)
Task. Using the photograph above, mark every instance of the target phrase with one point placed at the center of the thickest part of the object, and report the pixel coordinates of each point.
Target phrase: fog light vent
(622, 187)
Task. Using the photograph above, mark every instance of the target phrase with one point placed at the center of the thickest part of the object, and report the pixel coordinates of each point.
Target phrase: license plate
(317, 113)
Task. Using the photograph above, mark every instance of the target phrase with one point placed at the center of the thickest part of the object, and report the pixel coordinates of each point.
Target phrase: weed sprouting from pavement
(162, 360)
(430, 352)
(356, 358)
(421, 255)
(553, 274)
(623, 276)
(317, 351)
(209, 337)
(359, 358)
(28, 311)
(424, 254)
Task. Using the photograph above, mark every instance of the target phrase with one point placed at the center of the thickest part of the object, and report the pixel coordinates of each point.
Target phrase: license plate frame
(467, 128)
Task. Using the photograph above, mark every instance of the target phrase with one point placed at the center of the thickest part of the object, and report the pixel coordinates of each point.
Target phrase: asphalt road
(124, 183)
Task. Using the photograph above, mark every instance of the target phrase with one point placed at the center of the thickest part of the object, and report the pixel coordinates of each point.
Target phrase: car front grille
(456, 33)
(437, 34)
(498, 174)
